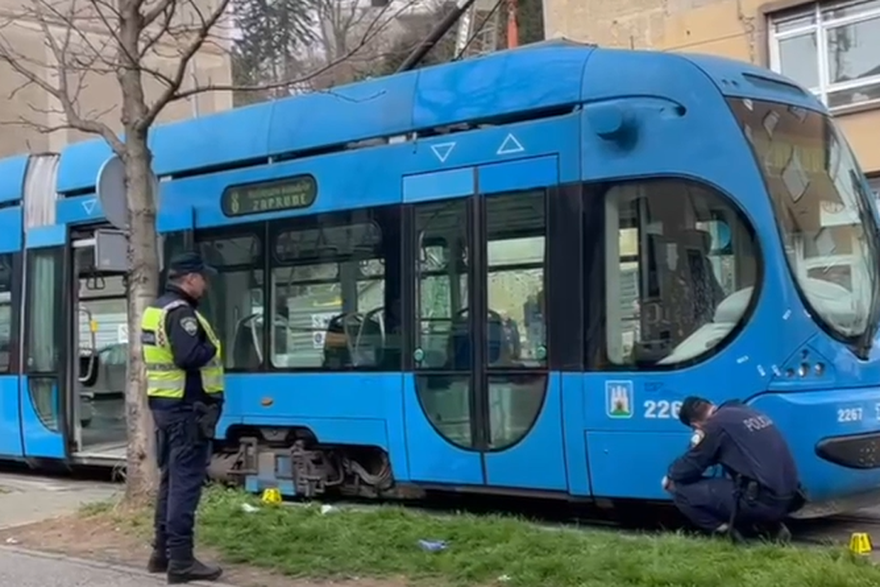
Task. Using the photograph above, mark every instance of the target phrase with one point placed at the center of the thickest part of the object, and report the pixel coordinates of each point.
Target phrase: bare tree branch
(162, 7)
(176, 80)
(373, 29)
(129, 39)
(61, 92)
(141, 43)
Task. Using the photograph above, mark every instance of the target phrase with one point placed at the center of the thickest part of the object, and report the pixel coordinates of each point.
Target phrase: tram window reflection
(681, 270)
(6, 315)
(516, 234)
(234, 300)
(335, 291)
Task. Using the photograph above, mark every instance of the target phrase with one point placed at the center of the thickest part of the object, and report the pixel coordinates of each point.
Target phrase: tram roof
(502, 85)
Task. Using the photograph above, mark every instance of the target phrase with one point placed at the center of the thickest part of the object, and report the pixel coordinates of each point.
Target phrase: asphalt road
(24, 570)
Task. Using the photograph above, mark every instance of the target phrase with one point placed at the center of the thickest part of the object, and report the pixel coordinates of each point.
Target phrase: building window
(833, 49)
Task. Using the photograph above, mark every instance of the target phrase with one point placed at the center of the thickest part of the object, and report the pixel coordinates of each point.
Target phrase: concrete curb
(160, 579)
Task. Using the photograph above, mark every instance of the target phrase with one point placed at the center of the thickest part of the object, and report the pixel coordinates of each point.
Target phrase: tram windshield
(823, 211)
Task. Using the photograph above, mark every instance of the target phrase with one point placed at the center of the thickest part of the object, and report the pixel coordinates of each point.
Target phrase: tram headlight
(803, 370)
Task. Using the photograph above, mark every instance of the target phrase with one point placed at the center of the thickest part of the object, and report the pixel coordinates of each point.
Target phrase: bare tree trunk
(143, 285)
(139, 31)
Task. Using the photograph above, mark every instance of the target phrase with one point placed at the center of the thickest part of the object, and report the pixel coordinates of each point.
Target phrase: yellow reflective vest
(164, 378)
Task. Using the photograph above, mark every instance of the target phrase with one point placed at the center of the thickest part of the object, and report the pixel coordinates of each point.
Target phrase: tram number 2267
(661, 409)
(849, 415)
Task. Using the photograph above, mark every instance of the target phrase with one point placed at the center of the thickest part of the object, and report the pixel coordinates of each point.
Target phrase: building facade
(832, 48)
(32, 120)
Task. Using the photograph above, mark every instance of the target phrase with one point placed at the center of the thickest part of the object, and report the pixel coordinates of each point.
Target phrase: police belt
(753, 492)
(750, 492)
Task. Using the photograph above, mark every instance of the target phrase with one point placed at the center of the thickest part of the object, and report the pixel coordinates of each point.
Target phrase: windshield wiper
(866, 341)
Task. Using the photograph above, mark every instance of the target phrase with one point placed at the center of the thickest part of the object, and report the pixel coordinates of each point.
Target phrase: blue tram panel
(614, 215)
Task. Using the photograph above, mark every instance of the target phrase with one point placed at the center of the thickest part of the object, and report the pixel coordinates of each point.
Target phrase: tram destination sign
(290, 193)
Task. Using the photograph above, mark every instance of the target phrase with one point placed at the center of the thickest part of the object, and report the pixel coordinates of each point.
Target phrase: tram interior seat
(695, 303)
(247, 345)
(836, 301)
(707, 291)
(725, 319)
(89, 367)
(246, 352)
(460, 339)
(354, 339)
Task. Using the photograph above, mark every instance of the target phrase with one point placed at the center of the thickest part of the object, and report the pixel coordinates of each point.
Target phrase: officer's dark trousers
(183, 457)
(708, 503)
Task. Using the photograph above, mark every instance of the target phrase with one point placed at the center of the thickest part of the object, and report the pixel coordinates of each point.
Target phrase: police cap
(692, 408)
(187, 263)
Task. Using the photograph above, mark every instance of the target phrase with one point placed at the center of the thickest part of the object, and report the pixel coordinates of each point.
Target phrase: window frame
(388, 240)
(32, 308)
(13, 365)
(215, 234)
(598, 201)
(820, 25)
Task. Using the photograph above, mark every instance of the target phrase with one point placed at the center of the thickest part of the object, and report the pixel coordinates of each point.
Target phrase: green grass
(486, 550)
(97, 508)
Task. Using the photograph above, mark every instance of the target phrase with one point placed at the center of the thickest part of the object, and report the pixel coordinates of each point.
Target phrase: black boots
(184, 571)
(158, 562)
(780, 533)
(728, 531)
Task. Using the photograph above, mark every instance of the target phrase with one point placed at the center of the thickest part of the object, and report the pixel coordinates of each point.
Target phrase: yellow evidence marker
(271, 496)
(860, 543)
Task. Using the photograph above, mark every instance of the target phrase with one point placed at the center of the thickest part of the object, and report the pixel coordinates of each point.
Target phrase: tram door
(493, 409)
(99, 339)
(43, 405)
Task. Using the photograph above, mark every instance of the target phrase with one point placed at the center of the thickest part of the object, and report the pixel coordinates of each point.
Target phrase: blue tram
(497, 275)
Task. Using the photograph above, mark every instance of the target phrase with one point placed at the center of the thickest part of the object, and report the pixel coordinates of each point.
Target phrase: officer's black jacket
(191, 351)
(745, 443)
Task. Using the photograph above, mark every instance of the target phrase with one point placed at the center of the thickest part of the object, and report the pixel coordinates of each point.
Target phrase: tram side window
(44, 329)
(336, 291)
(6, 313)
(515, 245)
(681, 267)
(234, 302)
(442, 295)
(515, 229)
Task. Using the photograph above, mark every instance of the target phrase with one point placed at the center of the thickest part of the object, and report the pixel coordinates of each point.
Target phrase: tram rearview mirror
(111, 191)
(111, 251)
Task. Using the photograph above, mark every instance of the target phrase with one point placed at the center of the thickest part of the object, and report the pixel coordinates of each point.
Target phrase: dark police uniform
(762, 482)
(184, 371)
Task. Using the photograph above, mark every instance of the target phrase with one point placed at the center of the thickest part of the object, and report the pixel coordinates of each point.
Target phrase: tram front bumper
(834, 435)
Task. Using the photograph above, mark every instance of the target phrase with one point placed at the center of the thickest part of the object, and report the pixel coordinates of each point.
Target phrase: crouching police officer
(761, 487)
(185, 386)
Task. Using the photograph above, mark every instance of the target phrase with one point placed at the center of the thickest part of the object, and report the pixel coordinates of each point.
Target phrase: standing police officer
(761, 487)
(185, 387)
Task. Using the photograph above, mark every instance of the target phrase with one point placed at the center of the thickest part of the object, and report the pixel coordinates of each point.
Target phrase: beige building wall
(31, 119)
(736, 29)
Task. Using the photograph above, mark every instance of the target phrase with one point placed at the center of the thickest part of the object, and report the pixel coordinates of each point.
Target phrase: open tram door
(98, 336)
(96, 278)
(485, 408)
